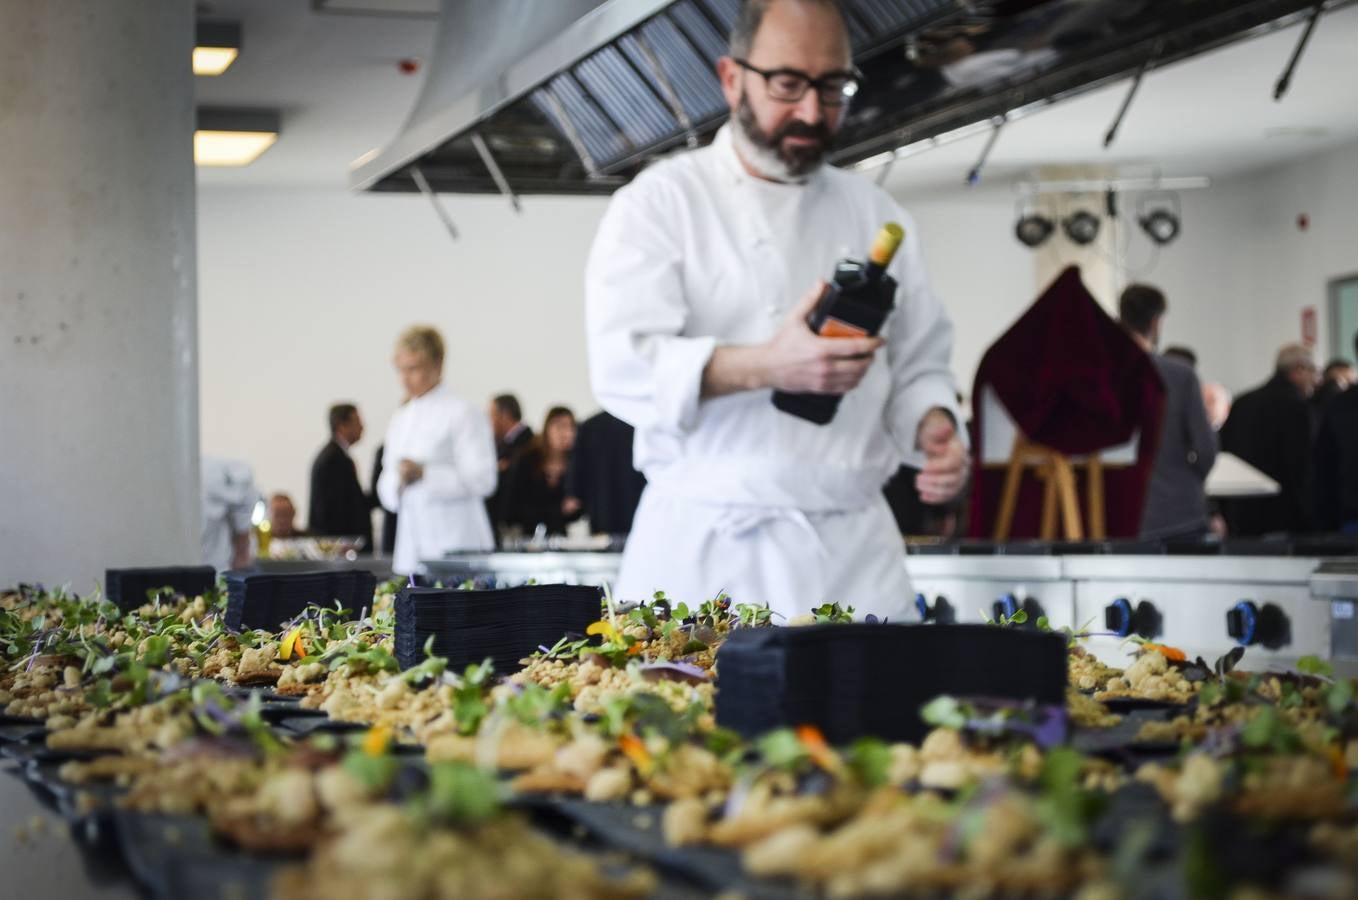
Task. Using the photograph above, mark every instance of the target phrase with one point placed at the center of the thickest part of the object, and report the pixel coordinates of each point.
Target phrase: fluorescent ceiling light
(229, 148)
(233, 137)
(215, 47)
(213, 60)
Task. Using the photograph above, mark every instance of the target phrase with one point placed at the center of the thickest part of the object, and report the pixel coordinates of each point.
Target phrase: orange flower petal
(635, 750)
(1170, 653)
(376, 741)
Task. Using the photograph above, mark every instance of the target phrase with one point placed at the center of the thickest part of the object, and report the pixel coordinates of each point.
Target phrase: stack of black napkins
(504, 625)
(860, 680)
(266, 600)
(130, 588)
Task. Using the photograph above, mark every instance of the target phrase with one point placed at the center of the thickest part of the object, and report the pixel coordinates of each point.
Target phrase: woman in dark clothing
(534, 490)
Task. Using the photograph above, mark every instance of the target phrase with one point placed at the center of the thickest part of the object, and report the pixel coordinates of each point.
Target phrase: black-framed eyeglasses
(790, 85)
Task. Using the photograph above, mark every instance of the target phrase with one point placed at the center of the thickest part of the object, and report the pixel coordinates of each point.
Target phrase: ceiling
(333, 76)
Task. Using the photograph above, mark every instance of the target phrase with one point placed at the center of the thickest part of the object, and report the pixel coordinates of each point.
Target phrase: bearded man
(698, 288)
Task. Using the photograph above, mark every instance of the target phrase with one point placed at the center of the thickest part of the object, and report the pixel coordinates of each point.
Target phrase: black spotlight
(1081, 227)
(1162, 222)
(1033, 229)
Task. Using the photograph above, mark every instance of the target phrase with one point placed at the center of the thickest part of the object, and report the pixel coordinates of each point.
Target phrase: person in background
(1338, 377)
(283, 517)
(1270, 428)
(388, 542)
(229, 497)
(338, 506)
(601, 477)
(1176, 501)
(534, 488)
(511, 434)
(512, 437)
(439, 460)
(1336, 476)
(1183, 354)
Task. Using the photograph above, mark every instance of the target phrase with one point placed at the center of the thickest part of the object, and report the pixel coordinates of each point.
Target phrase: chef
(697, 290)
(440, 461)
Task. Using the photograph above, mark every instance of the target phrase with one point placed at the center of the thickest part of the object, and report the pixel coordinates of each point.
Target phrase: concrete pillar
(98, 292)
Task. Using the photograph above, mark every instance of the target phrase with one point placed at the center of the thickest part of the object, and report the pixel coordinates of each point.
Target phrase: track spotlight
(1033, 229)
(1160, 224)
(1081, 227)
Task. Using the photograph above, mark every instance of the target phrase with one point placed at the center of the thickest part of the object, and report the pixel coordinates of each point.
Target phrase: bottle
(855, 304)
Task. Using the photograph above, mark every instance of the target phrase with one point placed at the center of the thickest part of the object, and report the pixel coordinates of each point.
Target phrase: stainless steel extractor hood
(575, 96)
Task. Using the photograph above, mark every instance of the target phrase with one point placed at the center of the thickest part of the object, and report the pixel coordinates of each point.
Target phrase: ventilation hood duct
(575, 96)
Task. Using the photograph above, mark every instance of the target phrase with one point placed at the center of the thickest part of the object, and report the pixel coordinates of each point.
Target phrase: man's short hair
(1139, 307)
(341, 413)
(1295, 356)
(1336, 364)
(281, 497)
(423, 340)
(752, 16)
(1182, 353)
(508, 405)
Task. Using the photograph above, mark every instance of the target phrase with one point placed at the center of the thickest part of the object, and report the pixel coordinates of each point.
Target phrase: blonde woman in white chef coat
(441, 461)
(693, 319)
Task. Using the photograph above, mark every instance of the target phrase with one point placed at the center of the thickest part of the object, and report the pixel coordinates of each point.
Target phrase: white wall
(303, 292)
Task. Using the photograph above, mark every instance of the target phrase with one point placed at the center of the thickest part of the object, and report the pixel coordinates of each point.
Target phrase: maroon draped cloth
(1073, 380)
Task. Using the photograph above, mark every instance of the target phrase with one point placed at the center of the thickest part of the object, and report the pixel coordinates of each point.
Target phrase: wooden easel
(1059, 494)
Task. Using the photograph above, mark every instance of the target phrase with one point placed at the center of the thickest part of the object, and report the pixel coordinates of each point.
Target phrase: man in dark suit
(1270, 428)
(512, 436)
(601, 476)
(338, 504)
(506, 422)
(1176, 502)
(1336, 482)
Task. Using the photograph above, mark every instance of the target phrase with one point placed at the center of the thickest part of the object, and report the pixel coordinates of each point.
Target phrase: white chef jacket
(445, 510)
(229, 497)
(741, 497)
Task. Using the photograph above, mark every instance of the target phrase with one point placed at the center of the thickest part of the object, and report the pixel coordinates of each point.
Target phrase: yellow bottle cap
(887, 242)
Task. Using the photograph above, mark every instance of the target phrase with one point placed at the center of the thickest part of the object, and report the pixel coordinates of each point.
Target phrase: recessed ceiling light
(233, 138)
(213, 60)
(215, 47)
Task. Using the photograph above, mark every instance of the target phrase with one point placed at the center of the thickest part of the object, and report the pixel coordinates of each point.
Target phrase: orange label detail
(836, 328)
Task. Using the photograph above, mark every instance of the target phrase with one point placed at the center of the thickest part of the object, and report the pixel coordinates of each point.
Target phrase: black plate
(1133, 704)
(307, 725)
(19, 733)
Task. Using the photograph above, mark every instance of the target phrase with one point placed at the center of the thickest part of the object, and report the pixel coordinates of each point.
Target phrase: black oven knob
(1146, 620)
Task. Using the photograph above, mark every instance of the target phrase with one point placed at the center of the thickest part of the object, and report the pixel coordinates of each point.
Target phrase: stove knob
(1274, 630)
(944, 614)
(922, 607)
(1242, 622)
(1034, 610)
(1146, 620)
(1117, 617)
(1004, 607)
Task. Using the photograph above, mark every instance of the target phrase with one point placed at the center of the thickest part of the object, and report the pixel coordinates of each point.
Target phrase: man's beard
(766, 151)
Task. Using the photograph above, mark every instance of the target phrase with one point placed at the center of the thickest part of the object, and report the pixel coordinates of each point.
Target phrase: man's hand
(795, 359)
(411, 472)
(945, 458)
(799, 360)
(570, 506)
